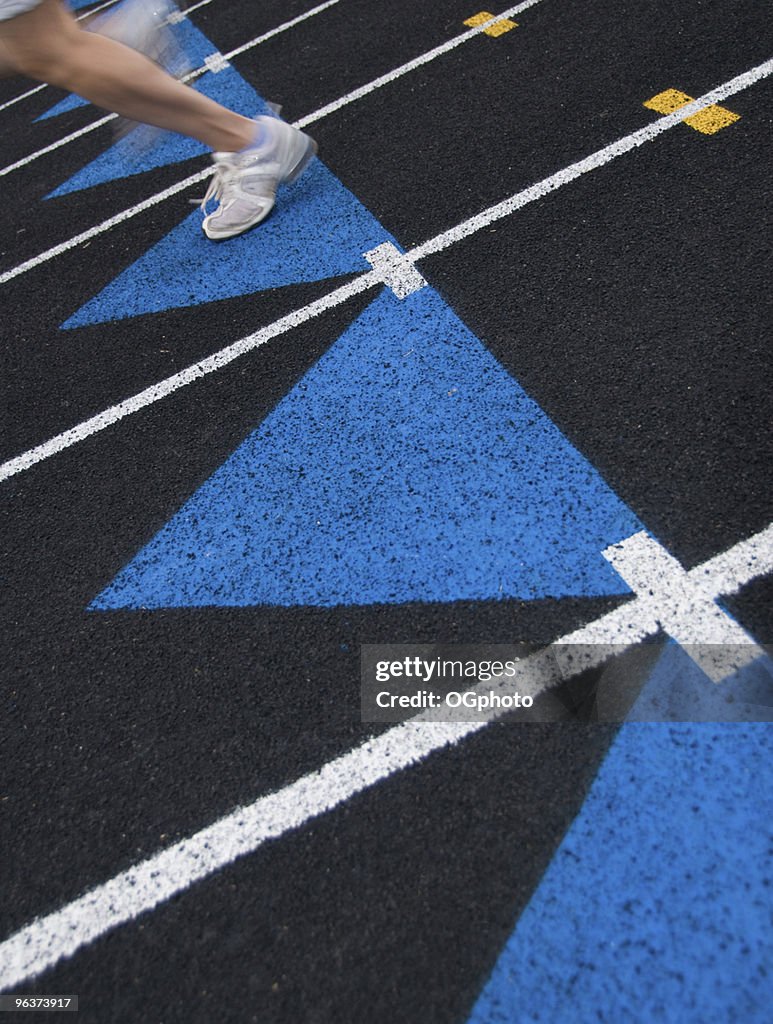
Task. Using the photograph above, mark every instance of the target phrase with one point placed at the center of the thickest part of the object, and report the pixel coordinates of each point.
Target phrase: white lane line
(282, 28)
(744, 561)
(24, 96)
(185, 11)
(99, 229)
(63, 247)
(433, 245)
(503, 209)
(590, 163)
(73, 136)
(95, 10)
(412, 65)
(223, 58)
(58, 144)
(166, 387)
(142, 888)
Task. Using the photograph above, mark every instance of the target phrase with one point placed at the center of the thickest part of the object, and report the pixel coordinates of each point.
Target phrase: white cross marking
(684, 605)
(148, 884)
(215, 62)
(395, 269)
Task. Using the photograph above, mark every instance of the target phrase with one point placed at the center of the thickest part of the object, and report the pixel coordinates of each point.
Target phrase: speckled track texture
(440, 453)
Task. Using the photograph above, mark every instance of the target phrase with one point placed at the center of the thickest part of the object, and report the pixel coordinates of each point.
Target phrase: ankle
(236, 136)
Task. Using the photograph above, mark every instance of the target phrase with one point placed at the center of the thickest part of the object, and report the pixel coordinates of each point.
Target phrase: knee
(51, 60)
(41, 65)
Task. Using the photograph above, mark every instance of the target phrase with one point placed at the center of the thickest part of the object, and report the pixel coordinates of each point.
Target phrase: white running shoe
(245, 183)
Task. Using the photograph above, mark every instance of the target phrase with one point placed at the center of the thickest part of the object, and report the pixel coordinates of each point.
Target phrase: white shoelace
(221, 187)
(225, 186)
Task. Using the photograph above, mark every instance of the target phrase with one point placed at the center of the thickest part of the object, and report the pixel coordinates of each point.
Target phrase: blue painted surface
(318, 230)
(678, 691)
(407, 465)
(657, 905)
(194, 43)
(71, 102)
(122, 159)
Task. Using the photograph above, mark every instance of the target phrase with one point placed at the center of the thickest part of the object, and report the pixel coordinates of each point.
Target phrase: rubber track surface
(632, 305)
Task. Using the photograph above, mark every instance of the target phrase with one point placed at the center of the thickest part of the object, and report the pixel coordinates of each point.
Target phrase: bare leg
(6, 64)
(48, 45)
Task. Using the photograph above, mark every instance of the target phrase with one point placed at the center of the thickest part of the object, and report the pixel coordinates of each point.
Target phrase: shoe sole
(308, 154)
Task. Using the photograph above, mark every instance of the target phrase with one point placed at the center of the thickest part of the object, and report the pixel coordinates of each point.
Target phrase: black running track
(610, 338)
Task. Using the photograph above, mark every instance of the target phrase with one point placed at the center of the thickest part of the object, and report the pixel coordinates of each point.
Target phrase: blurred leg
(6, 64)
(48, 45)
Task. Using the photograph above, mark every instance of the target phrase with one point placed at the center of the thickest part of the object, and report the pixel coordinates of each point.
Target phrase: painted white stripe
(145, 886)
(58, 144)
(282, 28)
(721, 576)
(24, 96)
(433, 245)
(99, 229)
(164, 388)
(590, 163)
(745, 561)
(95, 10)
(189, 10)
(412, 65)
(223, 58)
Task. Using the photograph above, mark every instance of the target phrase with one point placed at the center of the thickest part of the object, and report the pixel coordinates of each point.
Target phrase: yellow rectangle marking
(708, 121)
(712, 119)
(497, 29)
(669, 101)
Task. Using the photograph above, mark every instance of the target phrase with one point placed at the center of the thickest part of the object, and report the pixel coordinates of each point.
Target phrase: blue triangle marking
(122, 159)
(655, 905)
(318, 230)
(654, 770)
(678, 690)
(407, 465)
(193, 42)
(71, 102)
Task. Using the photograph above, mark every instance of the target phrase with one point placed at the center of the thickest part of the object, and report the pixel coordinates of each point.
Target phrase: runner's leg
(48, 45)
